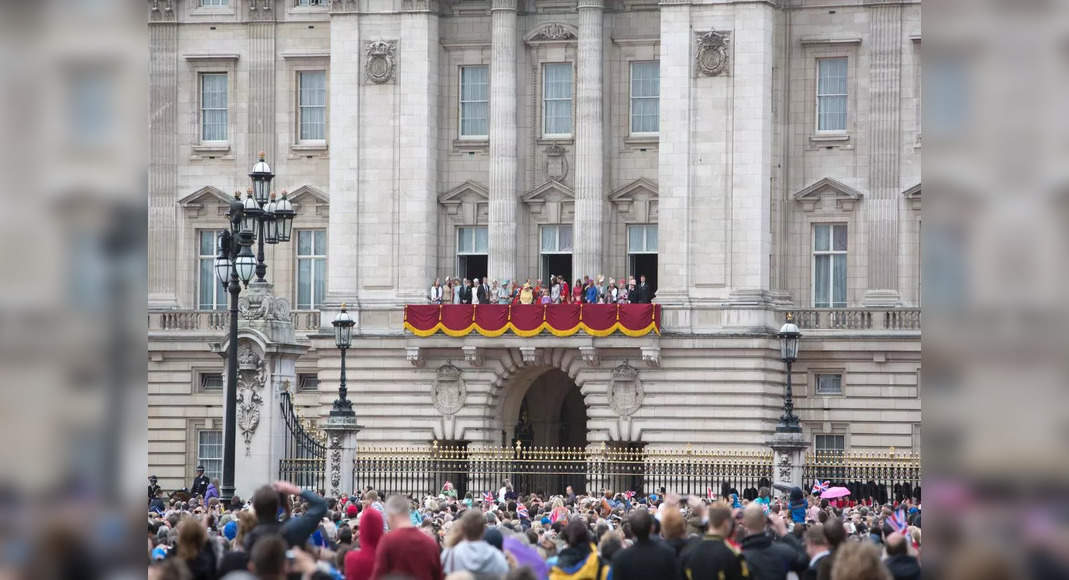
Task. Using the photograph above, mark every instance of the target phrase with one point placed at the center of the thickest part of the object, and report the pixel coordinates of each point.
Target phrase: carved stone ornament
(449, 391)
(335, 464)
(712, 54)
(252, 376)
(556, 166)
(379, 66)
(268, 308)
(785, 467)
(625, 390)
(554, 31)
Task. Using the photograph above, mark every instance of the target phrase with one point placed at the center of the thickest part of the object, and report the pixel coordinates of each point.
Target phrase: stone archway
(543, 407)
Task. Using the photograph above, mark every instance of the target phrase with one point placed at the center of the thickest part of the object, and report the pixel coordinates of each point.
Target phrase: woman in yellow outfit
(580, 560)
(527, 295)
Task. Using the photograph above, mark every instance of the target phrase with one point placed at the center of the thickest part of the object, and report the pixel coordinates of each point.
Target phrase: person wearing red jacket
(359, 564)
(406, 550)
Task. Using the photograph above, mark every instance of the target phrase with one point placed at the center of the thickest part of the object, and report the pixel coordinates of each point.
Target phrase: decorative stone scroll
(267, 308)
(625, 390)
(712, 53)
(449, 390)
(551, 32)
(251, 380)
(379, 66)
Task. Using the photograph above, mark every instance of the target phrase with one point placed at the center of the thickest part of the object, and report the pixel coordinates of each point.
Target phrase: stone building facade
(750, 157)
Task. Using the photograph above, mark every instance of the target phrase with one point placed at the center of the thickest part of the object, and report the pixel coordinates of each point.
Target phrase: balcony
(857, 319)
(213, 321)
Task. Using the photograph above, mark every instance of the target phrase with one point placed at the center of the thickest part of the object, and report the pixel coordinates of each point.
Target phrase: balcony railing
(218, 320)
(857, 318)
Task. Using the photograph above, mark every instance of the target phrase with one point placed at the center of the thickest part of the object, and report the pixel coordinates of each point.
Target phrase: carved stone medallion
(556, 165)
(449, 391)
(712, 53)
(553, 31)
(252, 376)
(625, 390)
(379, 66)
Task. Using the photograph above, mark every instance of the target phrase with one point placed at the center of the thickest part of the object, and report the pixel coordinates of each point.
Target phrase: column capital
(599, 4)
(503, 5)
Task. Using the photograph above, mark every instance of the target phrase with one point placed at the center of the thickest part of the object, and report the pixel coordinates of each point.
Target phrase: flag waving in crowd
(629, 494)
(898, 521)
(819, 487)
(709, 493)
(521, 511)
(488, 498)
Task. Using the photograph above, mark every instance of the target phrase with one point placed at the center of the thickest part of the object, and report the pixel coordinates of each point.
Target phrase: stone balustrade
(217, 320)
(857, 318)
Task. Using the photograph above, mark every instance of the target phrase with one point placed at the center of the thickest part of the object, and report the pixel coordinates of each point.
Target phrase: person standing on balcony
(436, 292)
(554, 290)
(591, 293)
(447, 292)
(643, 294)
(503, 293)
(527, 294)
(482, 291)
(466, 292)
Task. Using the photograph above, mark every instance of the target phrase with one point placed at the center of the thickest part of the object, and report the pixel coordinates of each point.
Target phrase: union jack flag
(819, 487)
(709, 493)
(488, 497)
(629, 494)
(898, 521)
(521, 511)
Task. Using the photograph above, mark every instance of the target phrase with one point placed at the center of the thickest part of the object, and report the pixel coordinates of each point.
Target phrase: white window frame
(310, 3)
(297, 268)
(211, 473)
(461, 102)
(645, 238)
(201, 109)
(817, 449)
(631, 98)
(846, 96)
(213, 3)
(824, 372)
(831, 270)
(299, 80)
(474, 236)
(216, 302)
(571, 101)
(556, 228)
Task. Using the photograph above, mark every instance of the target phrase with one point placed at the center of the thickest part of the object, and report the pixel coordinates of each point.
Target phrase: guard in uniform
(153, 487)
(714, 558)
(200, 483)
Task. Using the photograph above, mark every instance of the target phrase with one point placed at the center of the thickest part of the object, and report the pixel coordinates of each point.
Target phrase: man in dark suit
(767, 557)
(646, 558)
(643, 294)
(899, 562)
(714, 557)
(482, 292)
(465, 292)
(200, 483)
(819, 551)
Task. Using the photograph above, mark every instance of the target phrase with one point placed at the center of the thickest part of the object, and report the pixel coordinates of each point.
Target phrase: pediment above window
(309, 198)
(913, 196)
(195, 204)
(639, 198)
(844, 197)
(469, 197)
(552, 200)
(552, 32)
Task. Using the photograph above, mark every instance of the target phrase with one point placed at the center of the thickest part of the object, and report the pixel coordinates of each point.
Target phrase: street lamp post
(258, 216)
(788, 336)
(343, 329)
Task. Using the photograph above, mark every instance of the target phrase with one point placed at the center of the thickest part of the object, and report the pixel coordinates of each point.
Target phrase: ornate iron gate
(304, 460)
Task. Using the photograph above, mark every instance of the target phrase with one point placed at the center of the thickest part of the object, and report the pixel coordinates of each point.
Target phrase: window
(474, 101)
(829, 443)
(642, 239)
(211, 381)
(312, 104)
(210, 452)
(311, 268)
(311, 2)
(472, 247)
(829, 266)
(211, 293)
(828, 383)
(307, 382)
(645, 97)
(831, 94)
(557, 99)
(204, 3)
(213, 107)
(557, 239)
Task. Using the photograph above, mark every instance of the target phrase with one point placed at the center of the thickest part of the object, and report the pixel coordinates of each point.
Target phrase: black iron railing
(304, 459)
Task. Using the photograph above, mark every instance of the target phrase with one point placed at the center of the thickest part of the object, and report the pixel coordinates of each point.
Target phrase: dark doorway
(472, 266)
(644, 265)
(552, 416)
(556, 265)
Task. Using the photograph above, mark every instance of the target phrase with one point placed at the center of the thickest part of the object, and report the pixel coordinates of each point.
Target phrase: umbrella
(834, 492)
(526, 555)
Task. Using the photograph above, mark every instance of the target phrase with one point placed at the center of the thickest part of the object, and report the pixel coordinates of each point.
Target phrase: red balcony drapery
(533, 319)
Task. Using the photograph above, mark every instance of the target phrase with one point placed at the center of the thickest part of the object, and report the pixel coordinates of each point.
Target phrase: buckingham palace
(752, 159)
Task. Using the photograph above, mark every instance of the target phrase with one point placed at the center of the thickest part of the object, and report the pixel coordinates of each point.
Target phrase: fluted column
(163, 169)
(503, 158)
(589, 145)
(342, 267)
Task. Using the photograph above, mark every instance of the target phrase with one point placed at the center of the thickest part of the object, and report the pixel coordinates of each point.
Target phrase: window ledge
(309, 147)
(824, 141)
(213, 11)
(212, 148)
(642, 139)
(562, 140)
(471, 144)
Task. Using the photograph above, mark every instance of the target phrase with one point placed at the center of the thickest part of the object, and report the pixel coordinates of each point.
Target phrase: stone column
(589, 143)
(341, 454)
(880, 208)
(503, 156)
(262, 87)
(788, 458)
(344, 156)
(163, 168)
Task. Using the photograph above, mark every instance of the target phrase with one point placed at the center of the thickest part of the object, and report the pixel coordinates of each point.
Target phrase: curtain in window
(210, 452)
(474, 96)
(482, 242)
(645, 97)
(831, 94)
(838, 275)
(557, 92)
(549, 239)
(213, 107)
(651, 238)
(313, 99)
(565, 239)
(634, 239)
(821, 291)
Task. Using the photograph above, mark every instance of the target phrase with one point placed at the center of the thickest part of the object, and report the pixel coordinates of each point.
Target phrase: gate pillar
(341, 454)
(788, 458)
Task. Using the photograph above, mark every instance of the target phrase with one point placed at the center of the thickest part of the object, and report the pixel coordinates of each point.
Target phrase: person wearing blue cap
(230, 530)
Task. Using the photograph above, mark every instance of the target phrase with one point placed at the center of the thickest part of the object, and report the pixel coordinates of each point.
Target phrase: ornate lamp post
(258, 216)
(788, 335)
(343, 329)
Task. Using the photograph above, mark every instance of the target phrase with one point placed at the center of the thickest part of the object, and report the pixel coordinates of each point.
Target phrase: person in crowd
(212, 491)
(858, 561)
(818, 549)
(767, 556)
(359, 564)
(527, 294)
(447, 292)
(764, 498)
(580, 560)
(448, 491)
(645, 558)
(900, 563)
(503, 293)
(153, 487)
(471, 552)
(405, 550)
(643, 293)
(714, 557)
(193, 549)
(268, 558)
(797, 503)
(435, 296)
(269, 499)
(577, 291)
(674, 529)
(200, 483)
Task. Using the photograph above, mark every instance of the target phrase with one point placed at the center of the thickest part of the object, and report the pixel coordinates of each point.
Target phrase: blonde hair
(191, 538)
(858, 561)
(672, 524)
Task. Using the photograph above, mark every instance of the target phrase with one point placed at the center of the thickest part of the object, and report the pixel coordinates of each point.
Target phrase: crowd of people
(583, 290)
(286, 532)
